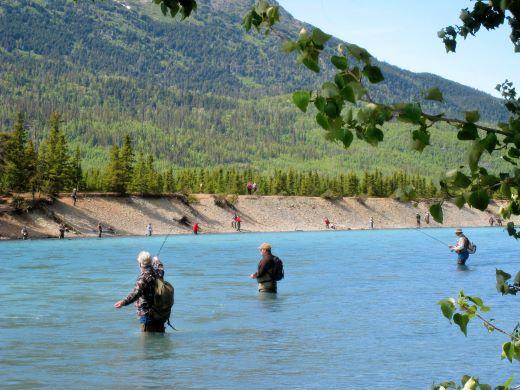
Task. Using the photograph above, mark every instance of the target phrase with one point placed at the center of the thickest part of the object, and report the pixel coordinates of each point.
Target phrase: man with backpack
(270, 270)
(463, 247)
(152, 295)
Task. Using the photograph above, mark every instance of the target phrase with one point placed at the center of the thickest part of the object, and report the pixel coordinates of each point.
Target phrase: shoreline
(128, 216)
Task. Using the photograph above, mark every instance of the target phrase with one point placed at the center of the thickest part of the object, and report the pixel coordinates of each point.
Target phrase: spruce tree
(16, 165)
(54, 173)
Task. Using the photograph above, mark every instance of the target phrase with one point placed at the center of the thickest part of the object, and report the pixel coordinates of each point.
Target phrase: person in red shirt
(238, 220)
(196, 228)
(327, 222)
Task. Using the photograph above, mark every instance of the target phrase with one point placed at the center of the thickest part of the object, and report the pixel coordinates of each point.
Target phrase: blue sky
(404, 33)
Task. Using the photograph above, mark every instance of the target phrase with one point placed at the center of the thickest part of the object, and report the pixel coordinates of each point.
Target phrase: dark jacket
(143, 292)
(265, 268)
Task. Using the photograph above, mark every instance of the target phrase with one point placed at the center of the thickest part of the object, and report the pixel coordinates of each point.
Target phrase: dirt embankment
(130, 215)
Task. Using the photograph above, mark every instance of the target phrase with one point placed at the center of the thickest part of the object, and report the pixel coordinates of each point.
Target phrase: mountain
(194, 93)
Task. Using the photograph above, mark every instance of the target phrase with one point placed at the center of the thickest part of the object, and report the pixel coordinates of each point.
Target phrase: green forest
(111, 72)
(53, 167)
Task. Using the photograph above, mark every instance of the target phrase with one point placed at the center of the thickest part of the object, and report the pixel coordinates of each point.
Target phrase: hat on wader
(265, 246)
(457, 231)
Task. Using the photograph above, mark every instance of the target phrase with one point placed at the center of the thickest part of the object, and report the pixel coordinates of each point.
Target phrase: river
(356, 310)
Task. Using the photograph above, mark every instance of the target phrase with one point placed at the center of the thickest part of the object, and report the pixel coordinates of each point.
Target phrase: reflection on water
(355, 308)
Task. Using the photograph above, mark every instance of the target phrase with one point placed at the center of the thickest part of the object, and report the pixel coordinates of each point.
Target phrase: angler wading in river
(152, 295)
(270, 270)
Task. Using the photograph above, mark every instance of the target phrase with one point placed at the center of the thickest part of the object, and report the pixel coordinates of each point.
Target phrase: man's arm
(133, 296)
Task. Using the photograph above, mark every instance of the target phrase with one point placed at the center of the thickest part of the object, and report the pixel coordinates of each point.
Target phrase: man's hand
(118, 304)
(252, 276)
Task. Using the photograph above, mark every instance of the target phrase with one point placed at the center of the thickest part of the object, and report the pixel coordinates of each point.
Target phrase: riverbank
(128, 216)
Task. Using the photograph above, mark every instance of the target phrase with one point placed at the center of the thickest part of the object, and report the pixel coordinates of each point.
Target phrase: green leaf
(332, 109)
(348, 94)
(421, 138)
(347, 139)
(462, 321)
(373, 73)
(311, 64)
(476, 300)
(320, 103)
(287, 46)
(479, 199)
(472, 116)
(174, 9)
(358, 52)
(511, 228)
(436, 212)
(490, 142)
(502, 278)
(434, 94)
(329, 90)
(458, 179)
(474, 155)
(410, 113)
(508, 351)
(339, 62)
(319, 37)
(301, 99)
(447, 308)
(468, 132)
(164, 8)
(322, 120)
(374, 135)
(359, 90)
(460, 201)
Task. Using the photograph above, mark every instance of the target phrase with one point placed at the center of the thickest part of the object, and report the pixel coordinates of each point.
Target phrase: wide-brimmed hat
(457, 231)
(265, 245)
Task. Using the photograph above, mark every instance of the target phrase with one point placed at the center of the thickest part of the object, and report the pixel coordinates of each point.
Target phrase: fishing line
(416, 229)
(164, 241)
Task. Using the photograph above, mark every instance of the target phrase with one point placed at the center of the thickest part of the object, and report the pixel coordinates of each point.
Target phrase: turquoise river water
(357, 310)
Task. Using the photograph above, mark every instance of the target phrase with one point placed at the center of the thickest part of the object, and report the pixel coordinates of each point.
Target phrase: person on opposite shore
(196, 228)
(61, 229)
(491, 221)
(149, 230)
(427, 218)
(144, 292)
(371, 222)
(234, 222)
(499, 221)
(100, 229)
(418, 219)
(327, 222)
(461, 247)
(238, 221)
(74, 196)
(25, 233)
(249, 187)
(254, 187)
(265, 267)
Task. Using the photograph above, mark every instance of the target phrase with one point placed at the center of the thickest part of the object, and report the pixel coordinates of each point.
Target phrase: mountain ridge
(113, 70)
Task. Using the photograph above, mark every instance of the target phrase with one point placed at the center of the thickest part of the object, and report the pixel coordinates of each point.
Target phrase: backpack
(163, 300)
(277, 272)
(469, 246)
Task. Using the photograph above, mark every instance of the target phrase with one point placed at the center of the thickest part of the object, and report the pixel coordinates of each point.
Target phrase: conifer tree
(53, 160)
(126, 157)
(114, 172)
(16, 165)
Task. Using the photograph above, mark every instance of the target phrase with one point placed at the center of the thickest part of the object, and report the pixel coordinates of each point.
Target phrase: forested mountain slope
(194, 93)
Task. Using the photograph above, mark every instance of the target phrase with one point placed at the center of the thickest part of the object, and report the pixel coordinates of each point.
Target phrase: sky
(404, 33)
